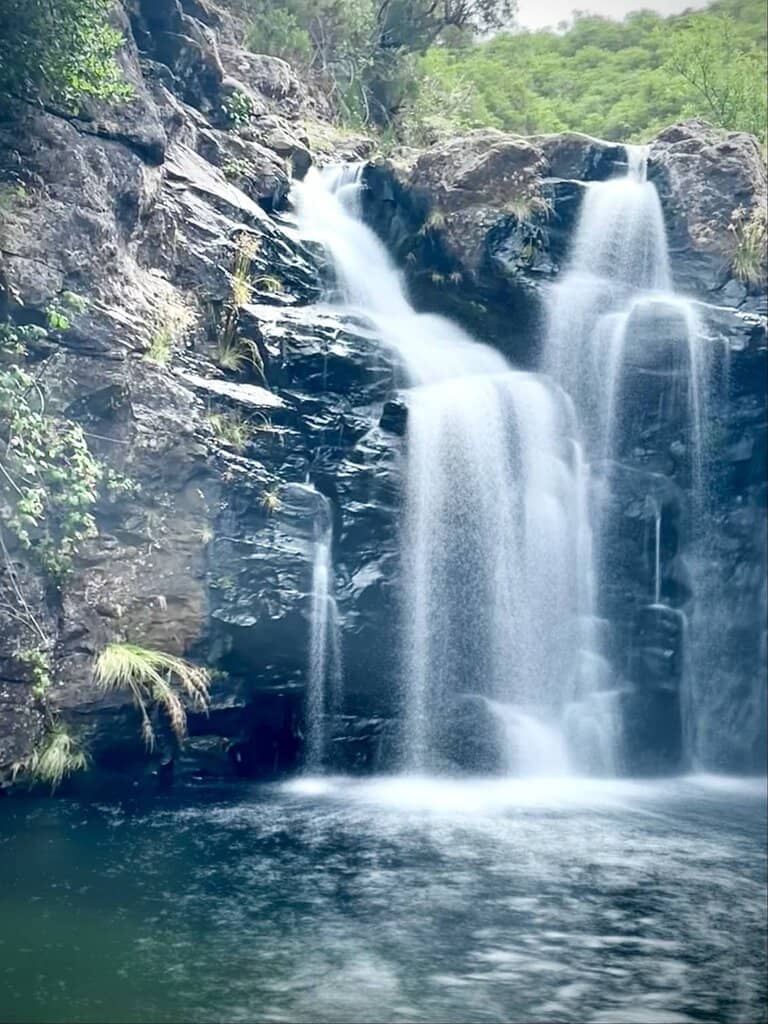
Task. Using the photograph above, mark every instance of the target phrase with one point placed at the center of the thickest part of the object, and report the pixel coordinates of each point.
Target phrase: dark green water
(389, 901)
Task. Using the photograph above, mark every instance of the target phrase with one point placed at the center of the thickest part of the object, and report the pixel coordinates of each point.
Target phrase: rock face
(144, 213)
(141, 213)
(704, 180)
(482, 222)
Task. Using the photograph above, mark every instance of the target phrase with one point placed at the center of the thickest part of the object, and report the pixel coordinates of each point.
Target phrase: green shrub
(59, 50)
(49, 479)
(238, 107)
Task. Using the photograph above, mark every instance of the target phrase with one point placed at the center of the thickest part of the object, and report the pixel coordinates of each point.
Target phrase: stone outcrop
(705, 179)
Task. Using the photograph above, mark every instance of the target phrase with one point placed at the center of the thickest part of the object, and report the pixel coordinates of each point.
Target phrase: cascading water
(324, 675)
(496, 540)
(617, 335)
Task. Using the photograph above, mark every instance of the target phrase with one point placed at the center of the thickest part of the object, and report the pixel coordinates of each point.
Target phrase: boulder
(704, 177)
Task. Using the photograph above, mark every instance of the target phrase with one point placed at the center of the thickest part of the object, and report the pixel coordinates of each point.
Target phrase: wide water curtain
(496, 547)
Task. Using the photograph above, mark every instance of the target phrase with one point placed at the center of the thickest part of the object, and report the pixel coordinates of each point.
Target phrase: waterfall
(620, 339)
(324, 670)
(496, 543)
(656, 552)
(618, 282)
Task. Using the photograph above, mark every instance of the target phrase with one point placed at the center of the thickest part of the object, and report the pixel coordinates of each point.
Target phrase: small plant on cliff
(233, 352)
(38, 662)
(57, 756)
(270, 501)
(434, 222)
(526, 206)
(238, 108)
(50, 477)
(237, 169)
(12, 195)
(232, 429)
(247, 248)
(172, 320)
(270, 284)
(154, 679)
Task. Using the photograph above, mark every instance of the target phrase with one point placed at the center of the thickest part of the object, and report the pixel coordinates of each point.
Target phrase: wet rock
(472, 736)
(573, 155)
(394, 417)
(657, 651)
(703, 178)
(652, 733)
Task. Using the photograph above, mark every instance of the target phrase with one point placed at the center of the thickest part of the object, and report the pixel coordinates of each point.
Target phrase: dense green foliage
(618, 80)
(59, 50)
(425, 69)
(49, 479)
(362, 50)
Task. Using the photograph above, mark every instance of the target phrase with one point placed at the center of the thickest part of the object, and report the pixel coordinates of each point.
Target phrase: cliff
(128, 236)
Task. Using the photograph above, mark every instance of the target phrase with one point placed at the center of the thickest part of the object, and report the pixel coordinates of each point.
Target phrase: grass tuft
(524, 207)
(56, 757)
(234, 353)
(231, 429)
(153, 678)
(270, 501)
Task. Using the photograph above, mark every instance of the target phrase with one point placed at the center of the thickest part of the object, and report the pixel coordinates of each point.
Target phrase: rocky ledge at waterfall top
(139, 211)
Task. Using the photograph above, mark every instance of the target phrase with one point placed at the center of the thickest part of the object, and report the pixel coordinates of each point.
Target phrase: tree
(363, 50)
(414, 25)
(730, 84)
(59, 51)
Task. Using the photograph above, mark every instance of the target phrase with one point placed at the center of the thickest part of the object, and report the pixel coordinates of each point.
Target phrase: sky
(541, 13)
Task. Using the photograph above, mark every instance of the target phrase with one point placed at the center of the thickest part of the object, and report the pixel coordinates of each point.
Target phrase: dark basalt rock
(702, 178)
(580, 157)
(652, 740)
(471, 736)
(657, 648)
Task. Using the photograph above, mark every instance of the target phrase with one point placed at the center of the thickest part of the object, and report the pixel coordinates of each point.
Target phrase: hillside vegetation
(417, 70)
(617, 80)
(421, 77)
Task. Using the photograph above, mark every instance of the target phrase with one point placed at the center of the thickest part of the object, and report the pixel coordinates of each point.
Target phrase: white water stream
(615, 323)
(497, 558)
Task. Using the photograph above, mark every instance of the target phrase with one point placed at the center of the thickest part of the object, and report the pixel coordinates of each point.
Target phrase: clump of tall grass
(232, 429)
(526, 206)
(57, 756)
(153, 678)
(234, 353)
